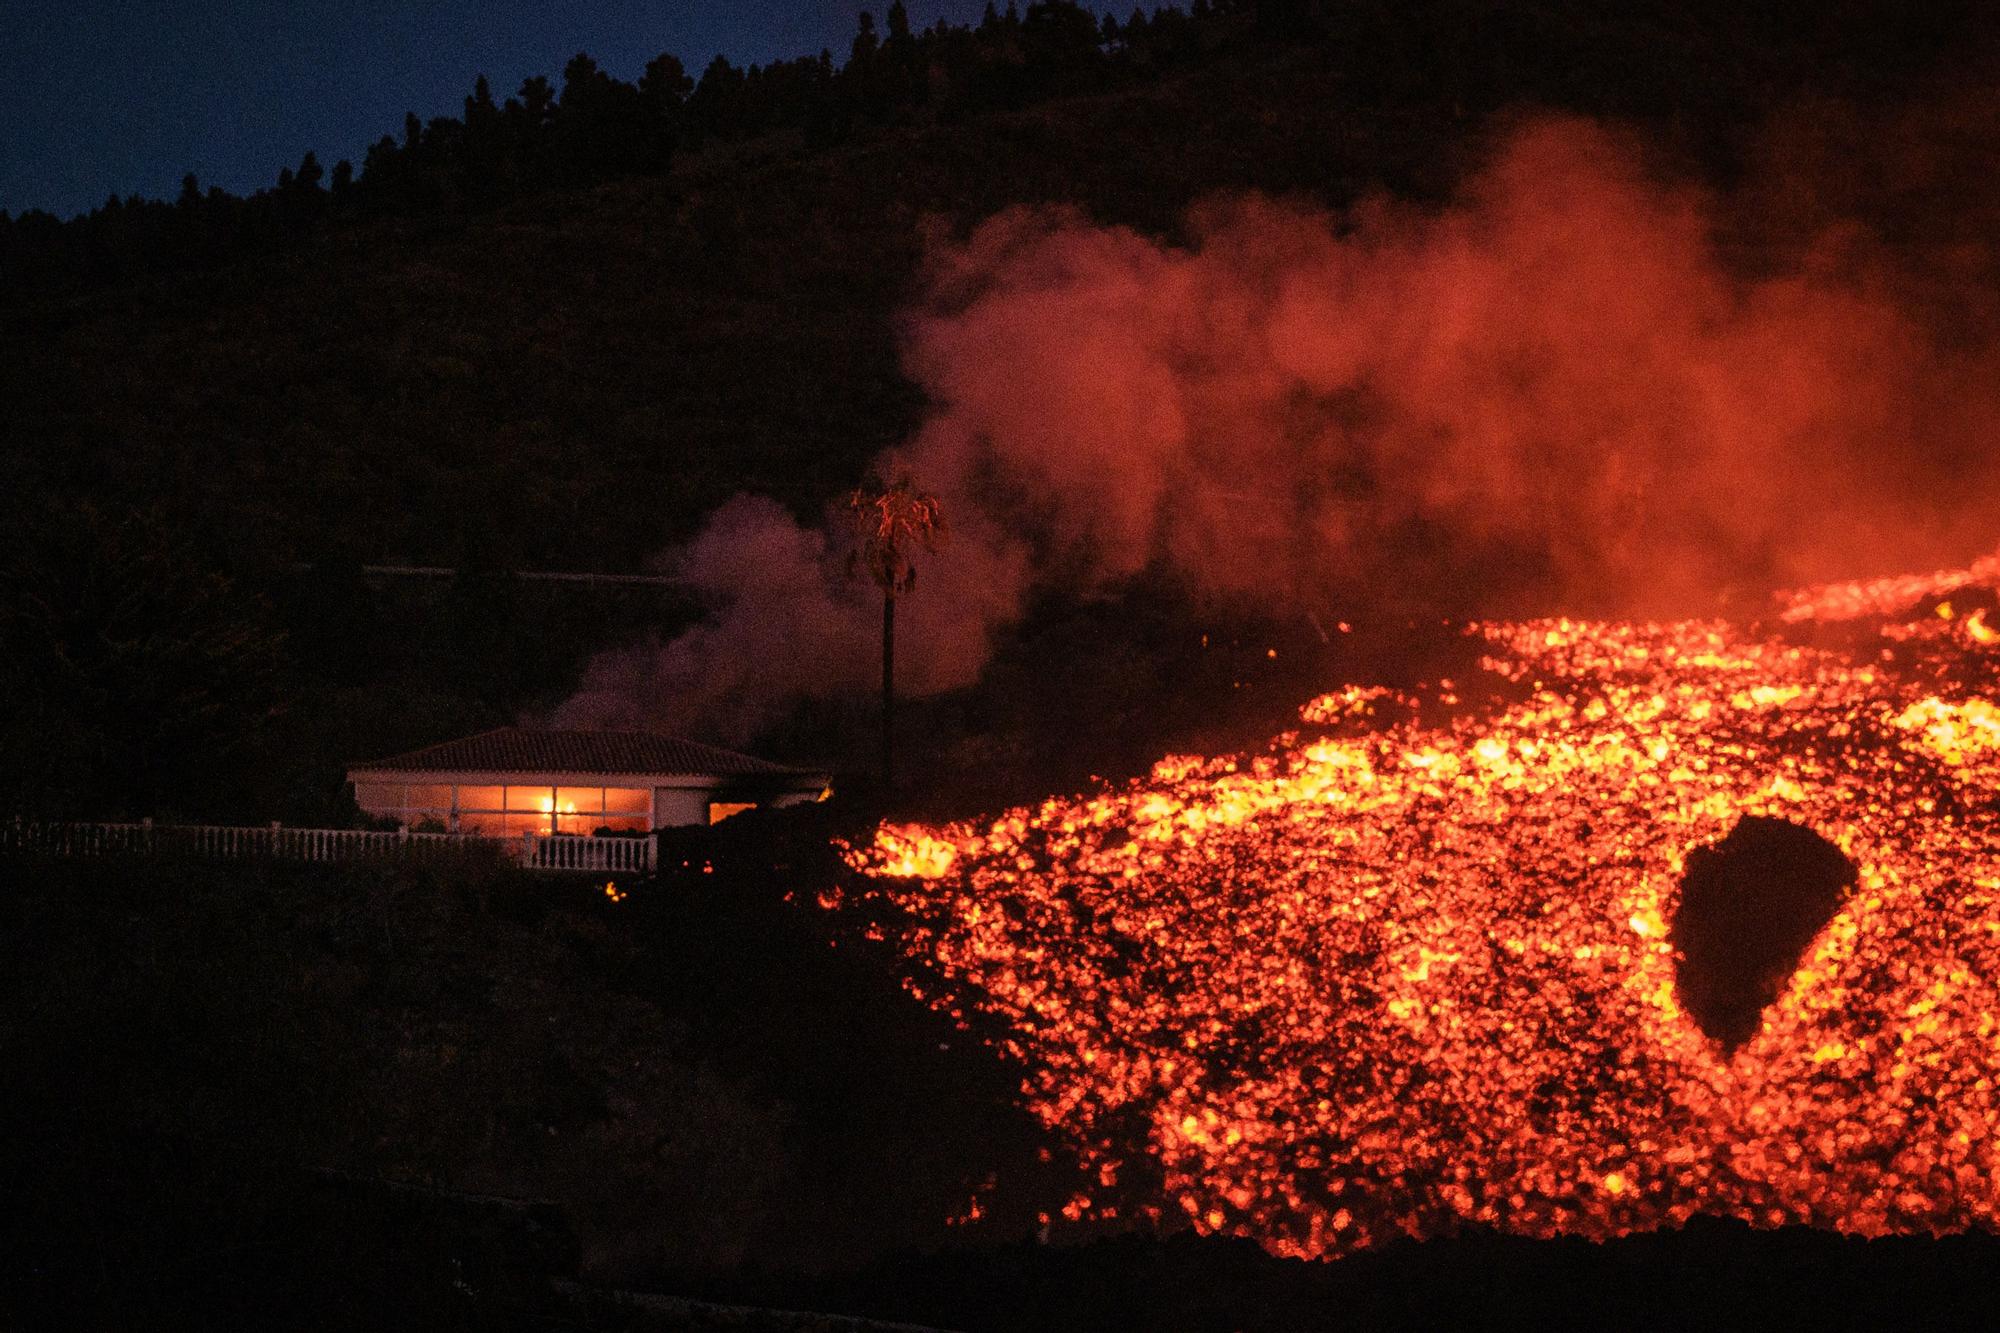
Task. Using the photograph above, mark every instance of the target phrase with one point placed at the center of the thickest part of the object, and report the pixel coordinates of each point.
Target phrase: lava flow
(1408, 969)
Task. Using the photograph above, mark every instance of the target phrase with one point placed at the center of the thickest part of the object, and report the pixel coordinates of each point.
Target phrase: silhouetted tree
(892, 521)
(480, 110)
(715, 105)
(866, 43)
(900, 64)
(1460, 57)
(594, 125)
(537, 101)
(665, 83)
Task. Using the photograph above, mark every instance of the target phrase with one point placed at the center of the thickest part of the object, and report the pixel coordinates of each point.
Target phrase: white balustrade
(531, 851)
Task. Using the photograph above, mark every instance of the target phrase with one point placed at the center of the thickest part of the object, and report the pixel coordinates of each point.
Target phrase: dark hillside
(573, 379)
(688, 1081)
(339, 1098)
(411, 1095)
(576, 380)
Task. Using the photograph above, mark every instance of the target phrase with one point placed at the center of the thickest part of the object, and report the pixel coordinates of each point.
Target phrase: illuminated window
(579, 800)
(624, 823)
(721, 810)
(628, 800)
(542, 799)
(482, 798)
(510, 811)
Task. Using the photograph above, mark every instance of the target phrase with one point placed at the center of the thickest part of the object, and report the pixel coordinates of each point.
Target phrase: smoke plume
(1286, 402)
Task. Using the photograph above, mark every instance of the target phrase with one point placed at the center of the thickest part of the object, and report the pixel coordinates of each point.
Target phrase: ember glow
(1409, 968)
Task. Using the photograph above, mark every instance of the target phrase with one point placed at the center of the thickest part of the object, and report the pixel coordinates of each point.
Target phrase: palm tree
(892, 520)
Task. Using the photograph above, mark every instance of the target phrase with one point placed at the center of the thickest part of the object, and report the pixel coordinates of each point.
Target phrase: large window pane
(624, 823)
(629, 800)
(515, 825)
(579, 800)
(381, 797)
(721, 810)
(482, 798)
(531, 798)
(487, 824)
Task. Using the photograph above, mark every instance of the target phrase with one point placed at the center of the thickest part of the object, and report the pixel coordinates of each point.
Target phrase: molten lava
(1410, 967)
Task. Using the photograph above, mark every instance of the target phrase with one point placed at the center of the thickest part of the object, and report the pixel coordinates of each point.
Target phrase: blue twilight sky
(99, 96)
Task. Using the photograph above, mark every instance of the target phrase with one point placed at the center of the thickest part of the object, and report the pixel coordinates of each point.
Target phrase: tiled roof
(525, 750)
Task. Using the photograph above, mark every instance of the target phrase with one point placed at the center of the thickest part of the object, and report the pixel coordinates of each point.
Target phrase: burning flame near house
(1410, 969)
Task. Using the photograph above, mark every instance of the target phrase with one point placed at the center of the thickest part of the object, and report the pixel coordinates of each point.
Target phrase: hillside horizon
(576, 377)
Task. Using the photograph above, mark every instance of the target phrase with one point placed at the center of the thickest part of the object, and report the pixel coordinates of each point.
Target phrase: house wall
(675, 806)
(686, 802)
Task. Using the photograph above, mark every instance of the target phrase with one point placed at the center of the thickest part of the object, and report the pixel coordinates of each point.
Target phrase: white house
(517, 780)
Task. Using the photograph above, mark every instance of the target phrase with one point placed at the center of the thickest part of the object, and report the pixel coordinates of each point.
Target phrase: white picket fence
(277, 842)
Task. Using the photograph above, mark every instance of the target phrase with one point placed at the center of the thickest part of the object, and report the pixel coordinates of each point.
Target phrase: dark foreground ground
(450, 1096)
(332, 1258)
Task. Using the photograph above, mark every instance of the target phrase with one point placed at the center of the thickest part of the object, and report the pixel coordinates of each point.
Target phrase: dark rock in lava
(1750, 905)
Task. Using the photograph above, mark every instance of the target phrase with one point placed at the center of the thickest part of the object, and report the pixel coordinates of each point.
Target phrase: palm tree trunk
(888, 687)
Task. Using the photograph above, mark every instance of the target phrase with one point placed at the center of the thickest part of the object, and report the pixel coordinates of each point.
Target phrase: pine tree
(865, 43)
(665, 83)
(479, 108)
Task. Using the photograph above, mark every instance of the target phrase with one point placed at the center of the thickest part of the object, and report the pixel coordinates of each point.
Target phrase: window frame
(542, 805)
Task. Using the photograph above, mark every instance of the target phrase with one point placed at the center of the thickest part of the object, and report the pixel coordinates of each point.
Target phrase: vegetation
(892, 518)
(554, 333)
(525, 339)
(689, 1079)
(593, 127)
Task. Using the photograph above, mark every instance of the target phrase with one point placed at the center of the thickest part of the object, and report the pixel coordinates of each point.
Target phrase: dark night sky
(130, 95)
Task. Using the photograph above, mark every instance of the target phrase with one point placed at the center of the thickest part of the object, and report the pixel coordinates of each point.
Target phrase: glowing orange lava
(1409, 967)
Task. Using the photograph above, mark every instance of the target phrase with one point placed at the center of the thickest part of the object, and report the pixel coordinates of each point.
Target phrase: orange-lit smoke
(1285, 402)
